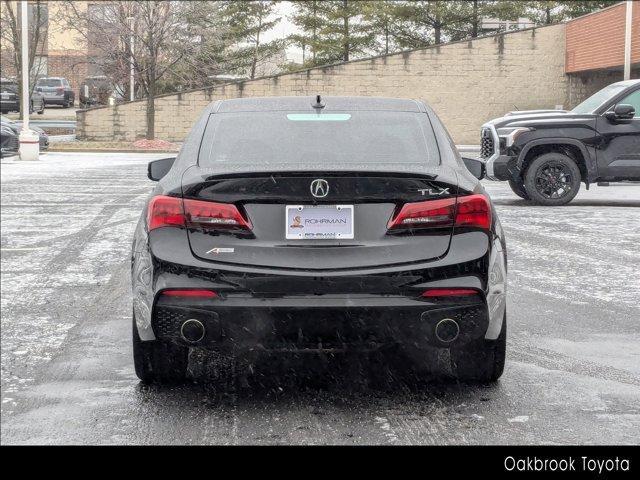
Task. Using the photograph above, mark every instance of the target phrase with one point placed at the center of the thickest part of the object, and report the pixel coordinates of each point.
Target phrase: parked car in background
(546, 154)
(56, 91)
(95, 90)
(9, 134)
(10, 98)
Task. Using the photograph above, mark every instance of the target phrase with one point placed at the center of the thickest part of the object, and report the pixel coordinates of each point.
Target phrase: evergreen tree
(307, 18)
(343, 34)
(545, 12)
(381, 16)
(246, 23)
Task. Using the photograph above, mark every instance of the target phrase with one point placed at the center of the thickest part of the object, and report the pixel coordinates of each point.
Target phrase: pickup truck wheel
(552, 179)
(518, 189)
(158, 362)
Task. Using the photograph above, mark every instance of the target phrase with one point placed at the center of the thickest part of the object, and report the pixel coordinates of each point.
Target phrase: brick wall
(596, 41)
(467, 83)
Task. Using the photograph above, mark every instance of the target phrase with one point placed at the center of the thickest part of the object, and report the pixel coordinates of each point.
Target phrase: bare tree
(108, 29)
(10, 32)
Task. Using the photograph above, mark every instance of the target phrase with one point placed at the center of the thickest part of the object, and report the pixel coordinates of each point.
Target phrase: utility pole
(29, 141)
(627, 41)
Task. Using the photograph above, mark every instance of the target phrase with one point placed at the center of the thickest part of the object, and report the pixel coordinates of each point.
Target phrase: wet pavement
(573, 361)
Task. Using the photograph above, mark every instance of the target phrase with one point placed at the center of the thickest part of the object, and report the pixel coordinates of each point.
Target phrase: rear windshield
(49, 82)
(9, 87)
(262, 138)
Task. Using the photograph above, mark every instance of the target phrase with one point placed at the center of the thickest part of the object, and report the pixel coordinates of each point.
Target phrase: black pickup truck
(546, 154)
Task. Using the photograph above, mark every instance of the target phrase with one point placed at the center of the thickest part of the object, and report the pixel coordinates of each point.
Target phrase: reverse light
(448, 292)
(467, 211)
(190, 293)
(167, 211)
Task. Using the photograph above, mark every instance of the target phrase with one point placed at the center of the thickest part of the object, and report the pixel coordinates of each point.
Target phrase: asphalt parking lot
(573, 364)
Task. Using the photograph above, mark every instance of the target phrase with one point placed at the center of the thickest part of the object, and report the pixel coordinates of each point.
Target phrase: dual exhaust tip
(192, 330)
(447, 330)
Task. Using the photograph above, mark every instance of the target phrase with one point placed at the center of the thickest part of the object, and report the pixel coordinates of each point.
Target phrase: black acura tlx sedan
(318, 225)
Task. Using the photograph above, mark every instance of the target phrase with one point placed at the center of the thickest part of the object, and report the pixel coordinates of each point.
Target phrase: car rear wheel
(552, 179)
(481, 360)
(158, 362)
(518, 189)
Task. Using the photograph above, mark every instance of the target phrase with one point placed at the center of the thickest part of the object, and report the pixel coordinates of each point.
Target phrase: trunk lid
(263, 197)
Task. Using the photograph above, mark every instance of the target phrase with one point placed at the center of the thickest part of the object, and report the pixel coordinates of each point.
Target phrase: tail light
(468, 211)
(214, 215)
(60, 90)
(190, 293)
(166, 211)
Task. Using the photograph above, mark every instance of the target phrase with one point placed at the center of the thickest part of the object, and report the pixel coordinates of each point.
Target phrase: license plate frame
(294, 229)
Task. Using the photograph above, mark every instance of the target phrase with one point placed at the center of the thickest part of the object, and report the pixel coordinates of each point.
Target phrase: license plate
(318, 222)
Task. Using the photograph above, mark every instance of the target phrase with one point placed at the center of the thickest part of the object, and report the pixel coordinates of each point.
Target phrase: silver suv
(56, 91)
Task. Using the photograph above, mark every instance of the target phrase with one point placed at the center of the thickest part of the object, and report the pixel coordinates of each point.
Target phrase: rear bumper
(314, 324)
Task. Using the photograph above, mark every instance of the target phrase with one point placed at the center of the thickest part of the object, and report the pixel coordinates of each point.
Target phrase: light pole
(131, 63)
(627, 41)
(29, 141)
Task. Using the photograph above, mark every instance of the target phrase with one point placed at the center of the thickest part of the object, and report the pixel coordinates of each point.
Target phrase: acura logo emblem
(319, 188)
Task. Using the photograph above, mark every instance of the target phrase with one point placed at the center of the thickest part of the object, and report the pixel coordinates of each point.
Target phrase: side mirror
(621, 113)
(475, 166)
(159, 168)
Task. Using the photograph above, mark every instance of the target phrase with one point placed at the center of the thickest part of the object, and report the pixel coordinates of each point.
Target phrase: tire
(518, 189)
(550, 173)
(481, 360)
(158, 362)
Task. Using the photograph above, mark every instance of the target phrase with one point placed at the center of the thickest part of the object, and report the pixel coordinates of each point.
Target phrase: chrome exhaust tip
(192, 330)
(447, 330)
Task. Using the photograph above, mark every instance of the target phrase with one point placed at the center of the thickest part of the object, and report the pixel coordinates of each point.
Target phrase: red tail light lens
(214, 215)
(60, 90)
(473, 211)
(432, 213)
(469, 211)
(166, 211)
(190, 293)
(448, 292)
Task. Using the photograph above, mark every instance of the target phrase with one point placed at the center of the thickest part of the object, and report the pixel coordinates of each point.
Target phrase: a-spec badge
(434, 191)
(217, 250)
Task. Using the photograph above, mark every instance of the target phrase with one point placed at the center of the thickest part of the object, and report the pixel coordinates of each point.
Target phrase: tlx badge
(434, 191)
